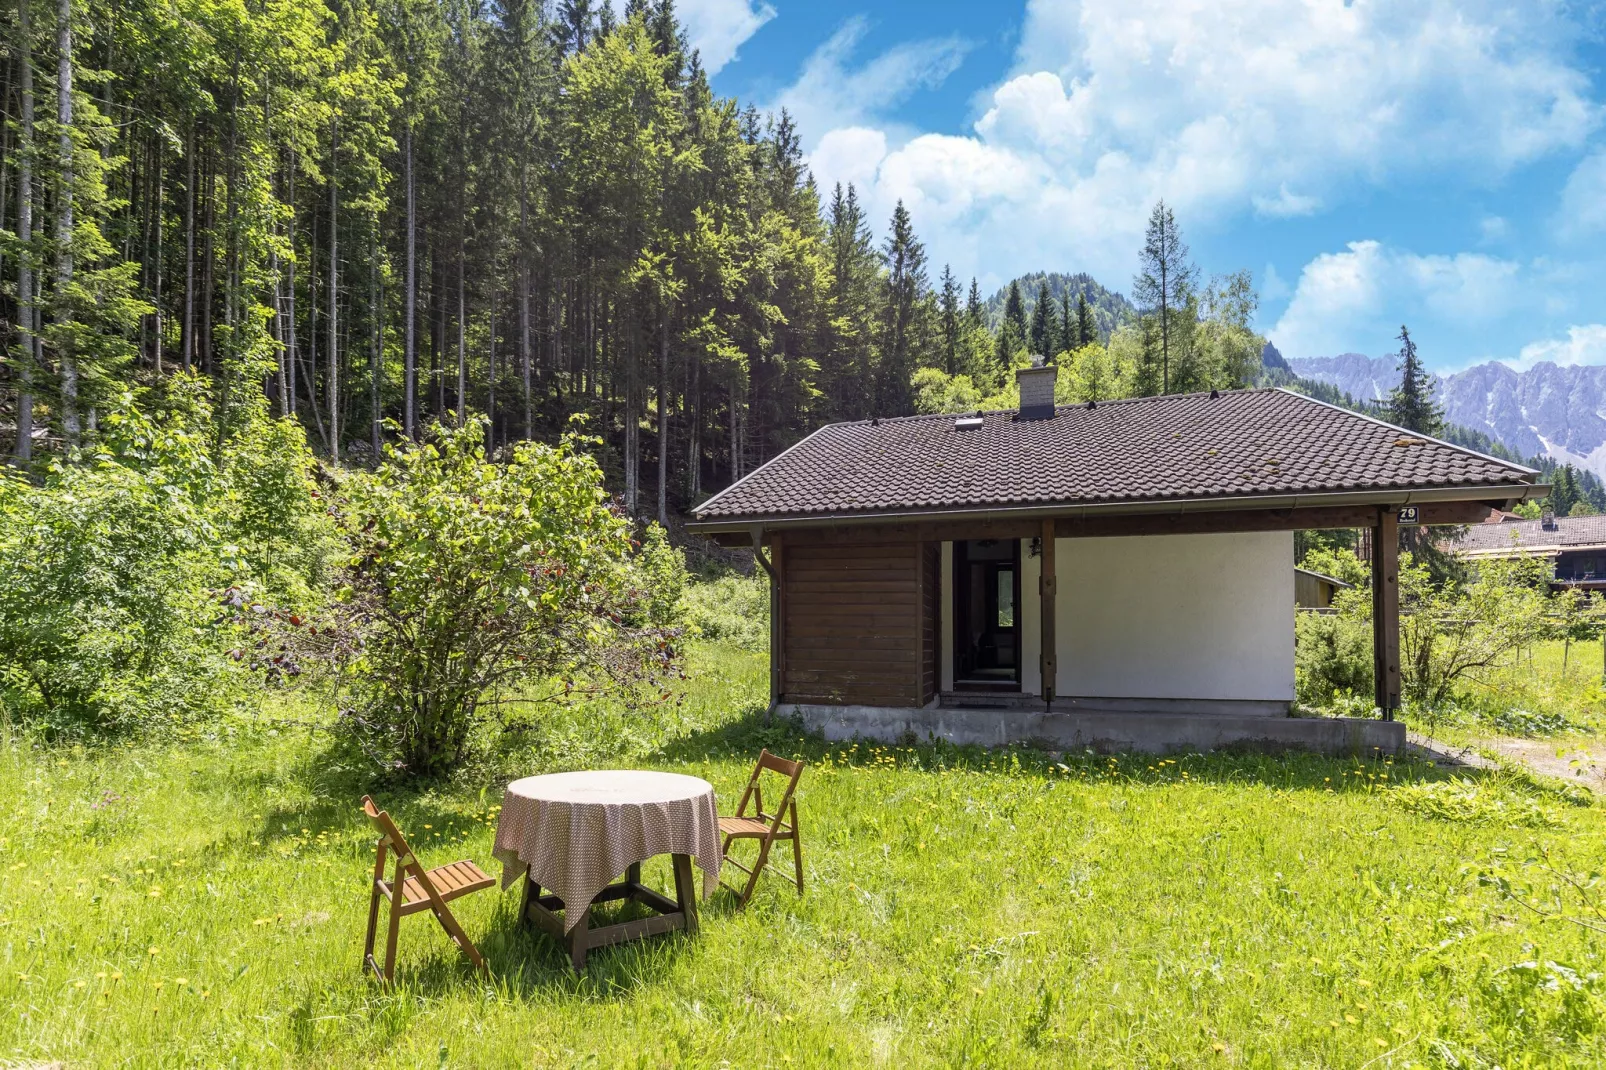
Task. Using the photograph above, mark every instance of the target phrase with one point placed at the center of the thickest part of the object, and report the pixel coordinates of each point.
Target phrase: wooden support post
(757, 534)
(1386, 611)
(1047, 585)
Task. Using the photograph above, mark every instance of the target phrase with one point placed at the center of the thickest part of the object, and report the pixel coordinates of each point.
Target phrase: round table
(572, 834)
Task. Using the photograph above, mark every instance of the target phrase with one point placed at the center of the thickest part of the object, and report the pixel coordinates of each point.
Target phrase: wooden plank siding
(930, 586)
(859, 624)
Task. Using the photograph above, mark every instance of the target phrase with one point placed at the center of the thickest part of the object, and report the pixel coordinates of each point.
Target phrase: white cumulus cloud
(717, 28)
(1340, 300)
(1222, 107)
(1583, 345)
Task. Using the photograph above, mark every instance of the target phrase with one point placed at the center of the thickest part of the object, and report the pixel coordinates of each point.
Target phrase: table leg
(532, 890)
(577, 939)
(633, 874)
(686, 891)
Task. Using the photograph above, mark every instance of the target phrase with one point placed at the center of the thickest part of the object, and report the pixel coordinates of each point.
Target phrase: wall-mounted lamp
(1037, 546)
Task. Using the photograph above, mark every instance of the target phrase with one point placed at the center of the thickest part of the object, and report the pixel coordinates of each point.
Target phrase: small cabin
(1115, 574)
(1312, 590)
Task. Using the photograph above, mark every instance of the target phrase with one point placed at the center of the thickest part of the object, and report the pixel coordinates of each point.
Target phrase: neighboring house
(1574, 545)
(1115, 575)
(1312, 590)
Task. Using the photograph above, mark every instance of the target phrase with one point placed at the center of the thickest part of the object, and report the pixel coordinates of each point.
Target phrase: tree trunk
(410, 352)
(27, 311)
(156, 294)
(462, 336)
(294, 354)
(524, 306)
(187, 329)
(663, 421)
(694, 420)
(376, 304)
(209, 260)
(333, 378)
(64, 223)
(490, 379)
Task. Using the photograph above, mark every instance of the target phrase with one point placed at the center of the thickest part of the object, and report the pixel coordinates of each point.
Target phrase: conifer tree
(1012, 334)
(905, 288)
(1042, 330)
(1086, 332)
(1411, 403)
(1164, 285)
(948, 310)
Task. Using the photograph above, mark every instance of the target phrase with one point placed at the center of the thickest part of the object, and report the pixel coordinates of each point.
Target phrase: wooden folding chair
(766, 828)
(418, 891)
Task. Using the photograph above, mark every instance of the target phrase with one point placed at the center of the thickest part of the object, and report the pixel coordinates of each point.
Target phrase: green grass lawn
(202, 902)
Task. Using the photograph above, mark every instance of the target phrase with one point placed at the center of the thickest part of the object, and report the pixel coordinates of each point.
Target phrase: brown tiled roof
(1530, 537)
(1181, 446)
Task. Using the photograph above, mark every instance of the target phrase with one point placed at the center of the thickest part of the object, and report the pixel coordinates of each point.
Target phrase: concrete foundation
(1149, 732)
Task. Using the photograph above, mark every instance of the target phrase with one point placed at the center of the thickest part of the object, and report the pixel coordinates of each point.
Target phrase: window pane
(1006, 598)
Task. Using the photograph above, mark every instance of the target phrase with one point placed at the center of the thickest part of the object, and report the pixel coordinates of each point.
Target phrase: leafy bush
(1339, 563)
(1478, 802)
(106, 563)
(467, 580)
(1449, 634)
(1332, 656)
(731, 609)
(1520, 722)
(661, 577)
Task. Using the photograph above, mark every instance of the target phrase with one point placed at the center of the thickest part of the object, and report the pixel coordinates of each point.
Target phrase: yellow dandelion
(154, 950)
(181, 980)
(1351, 1019)
(80, 984)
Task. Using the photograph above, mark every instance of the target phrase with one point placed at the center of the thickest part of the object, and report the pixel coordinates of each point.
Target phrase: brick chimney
(1036, 390)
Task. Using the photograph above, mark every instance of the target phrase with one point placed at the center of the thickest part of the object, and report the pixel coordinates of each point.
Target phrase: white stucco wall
(1170, 616)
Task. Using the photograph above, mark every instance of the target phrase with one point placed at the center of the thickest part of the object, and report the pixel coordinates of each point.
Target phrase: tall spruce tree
(1012, 333)
(1411, 403)
(1086, 331)
(948, 310)
(1043, 335)
(905, 289)
(1164, 285)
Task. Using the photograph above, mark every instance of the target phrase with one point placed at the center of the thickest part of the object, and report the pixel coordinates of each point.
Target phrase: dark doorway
(986, 618)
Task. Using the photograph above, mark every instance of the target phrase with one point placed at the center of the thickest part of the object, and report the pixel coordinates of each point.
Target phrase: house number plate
(1408, 515)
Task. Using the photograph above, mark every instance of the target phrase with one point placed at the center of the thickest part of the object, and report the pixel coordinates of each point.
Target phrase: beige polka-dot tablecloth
(577, 832)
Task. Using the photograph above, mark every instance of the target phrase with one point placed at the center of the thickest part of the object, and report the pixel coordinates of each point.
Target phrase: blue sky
(1440, 164)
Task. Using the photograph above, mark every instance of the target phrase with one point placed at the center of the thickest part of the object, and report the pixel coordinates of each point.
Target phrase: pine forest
(371, 215)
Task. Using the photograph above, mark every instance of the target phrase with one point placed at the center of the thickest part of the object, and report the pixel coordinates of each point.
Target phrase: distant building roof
(1240, 444)
(1321, 576)
(1530, 536)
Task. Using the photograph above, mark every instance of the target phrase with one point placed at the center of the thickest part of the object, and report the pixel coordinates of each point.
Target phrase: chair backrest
(390, 836)
(793, 771)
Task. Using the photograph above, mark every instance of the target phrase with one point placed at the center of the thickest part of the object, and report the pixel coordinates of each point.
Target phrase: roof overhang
(1502, 496)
